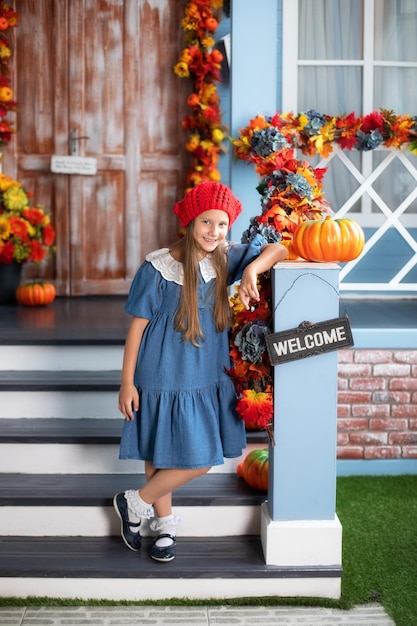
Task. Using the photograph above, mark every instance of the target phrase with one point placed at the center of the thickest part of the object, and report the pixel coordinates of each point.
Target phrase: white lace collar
(172, 270)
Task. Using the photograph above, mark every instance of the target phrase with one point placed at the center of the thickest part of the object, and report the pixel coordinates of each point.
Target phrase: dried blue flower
(255, 228)
(368, 141)
(269, 185)
(317, 120)
(300, 185)
(267, 141)
(250, 341)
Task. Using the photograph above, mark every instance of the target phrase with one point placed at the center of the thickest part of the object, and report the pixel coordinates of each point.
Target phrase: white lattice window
(360, 55)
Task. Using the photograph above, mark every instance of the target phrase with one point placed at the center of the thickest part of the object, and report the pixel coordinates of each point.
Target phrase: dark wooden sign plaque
(309, 339)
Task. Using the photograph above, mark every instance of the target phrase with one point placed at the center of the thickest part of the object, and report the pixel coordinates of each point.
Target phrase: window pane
(395, 30)
(395, 88)
(330, 29)
(396, 183)
(330, 90)
(339, 184)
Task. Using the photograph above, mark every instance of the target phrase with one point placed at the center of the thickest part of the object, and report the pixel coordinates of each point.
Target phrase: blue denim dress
(186, 416)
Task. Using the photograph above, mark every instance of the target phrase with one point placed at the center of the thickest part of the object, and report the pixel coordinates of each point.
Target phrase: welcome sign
(309, 340)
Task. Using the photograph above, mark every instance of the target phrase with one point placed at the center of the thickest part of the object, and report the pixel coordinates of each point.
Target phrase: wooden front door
(94, 78)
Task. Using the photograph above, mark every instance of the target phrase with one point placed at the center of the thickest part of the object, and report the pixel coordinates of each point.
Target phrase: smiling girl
(176, 397)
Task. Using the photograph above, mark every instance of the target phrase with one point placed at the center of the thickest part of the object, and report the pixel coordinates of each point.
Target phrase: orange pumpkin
(35, 294)
(254, 469)
(329, 240)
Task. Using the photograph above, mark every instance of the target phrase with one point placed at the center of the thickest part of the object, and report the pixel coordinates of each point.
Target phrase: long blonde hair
(186, 318)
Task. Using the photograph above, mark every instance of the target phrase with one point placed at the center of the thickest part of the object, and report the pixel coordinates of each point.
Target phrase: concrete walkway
(365, 615)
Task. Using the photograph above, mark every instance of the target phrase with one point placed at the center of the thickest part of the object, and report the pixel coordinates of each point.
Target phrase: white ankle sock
(137, 508)
(166, 525)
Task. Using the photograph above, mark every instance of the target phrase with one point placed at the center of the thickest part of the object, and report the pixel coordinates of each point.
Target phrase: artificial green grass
(379, 520)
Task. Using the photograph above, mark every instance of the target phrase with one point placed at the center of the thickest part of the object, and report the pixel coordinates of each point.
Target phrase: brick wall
(377, 404)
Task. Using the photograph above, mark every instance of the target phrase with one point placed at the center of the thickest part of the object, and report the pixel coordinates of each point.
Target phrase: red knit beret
(205, 197)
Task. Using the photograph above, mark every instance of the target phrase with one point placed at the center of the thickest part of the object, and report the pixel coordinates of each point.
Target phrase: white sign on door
(66, 164)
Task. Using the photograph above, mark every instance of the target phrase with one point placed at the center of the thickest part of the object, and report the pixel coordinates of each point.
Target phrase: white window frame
(388, 217)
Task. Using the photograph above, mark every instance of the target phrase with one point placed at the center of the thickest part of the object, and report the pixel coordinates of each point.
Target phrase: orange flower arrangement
(200, 62)
(26, 233)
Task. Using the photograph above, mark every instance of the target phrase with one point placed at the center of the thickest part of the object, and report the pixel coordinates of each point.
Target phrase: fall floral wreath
(201, 62)
(291, 192)
(26, 232)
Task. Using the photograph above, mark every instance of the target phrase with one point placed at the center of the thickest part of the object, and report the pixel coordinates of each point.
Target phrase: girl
(177, 399)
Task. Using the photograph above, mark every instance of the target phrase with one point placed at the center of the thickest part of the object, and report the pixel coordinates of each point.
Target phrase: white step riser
(198, 521)
(59, 404)
(80, 459)
(161, 589)
(53, 358)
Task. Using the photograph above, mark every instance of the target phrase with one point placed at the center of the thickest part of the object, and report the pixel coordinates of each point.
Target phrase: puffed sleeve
(241, 254)
(145, 294)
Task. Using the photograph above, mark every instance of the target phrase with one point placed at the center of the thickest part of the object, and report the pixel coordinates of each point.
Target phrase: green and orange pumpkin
(254, 469)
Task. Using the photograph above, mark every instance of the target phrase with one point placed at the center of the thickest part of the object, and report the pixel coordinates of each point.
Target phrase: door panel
(103, 72)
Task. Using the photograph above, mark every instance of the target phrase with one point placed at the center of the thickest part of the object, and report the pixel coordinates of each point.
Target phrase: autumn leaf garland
(8, 19)
(202, 63)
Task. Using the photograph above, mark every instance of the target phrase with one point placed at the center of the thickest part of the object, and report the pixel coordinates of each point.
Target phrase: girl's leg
(132, 506)
(158, 489)
(163, 482)
(162, 506)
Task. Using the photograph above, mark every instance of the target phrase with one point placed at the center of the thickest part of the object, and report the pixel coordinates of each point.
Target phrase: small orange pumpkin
(329, 240)
(35, 294)
(254, 469)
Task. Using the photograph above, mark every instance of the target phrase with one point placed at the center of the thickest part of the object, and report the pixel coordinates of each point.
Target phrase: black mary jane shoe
(165, 554)
(131, 539)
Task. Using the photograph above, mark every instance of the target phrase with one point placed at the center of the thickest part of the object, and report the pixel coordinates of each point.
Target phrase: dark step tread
(76, 430)
(94, 320)
(61, 380)
(98, 490)
(107, 557)
(60, 430)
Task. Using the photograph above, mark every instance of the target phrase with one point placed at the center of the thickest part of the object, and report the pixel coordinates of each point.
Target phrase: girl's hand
(271, 254)
(248, 288)
(128, 401)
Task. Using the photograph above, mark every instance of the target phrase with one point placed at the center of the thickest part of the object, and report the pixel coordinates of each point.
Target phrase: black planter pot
(10, 276)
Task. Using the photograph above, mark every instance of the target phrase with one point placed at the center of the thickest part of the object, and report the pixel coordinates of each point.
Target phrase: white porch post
(299, 526)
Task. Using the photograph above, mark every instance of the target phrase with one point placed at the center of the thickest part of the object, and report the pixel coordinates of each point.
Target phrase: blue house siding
(255, 85)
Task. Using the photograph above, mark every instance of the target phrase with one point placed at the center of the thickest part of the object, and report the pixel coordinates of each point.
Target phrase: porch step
(76, 490)
(72, 430)
(64, 380)
(95, 320)
(59, 436)
(82, 505)
(60, 430)
(99, 567)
